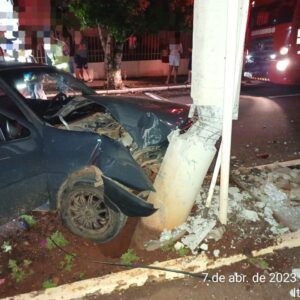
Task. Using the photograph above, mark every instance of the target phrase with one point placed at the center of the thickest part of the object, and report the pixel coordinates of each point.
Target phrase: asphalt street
(268, 126)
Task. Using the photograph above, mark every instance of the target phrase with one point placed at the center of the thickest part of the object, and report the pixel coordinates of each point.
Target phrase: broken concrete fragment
(260, 204)
(167, 237)
(193, 240)
(295, 176)
(178, 246)
(216, 234)
(275, 227)
(204, 247)
(295, 194)
(288, 217)
(274, 193)
(216, 253)
(249, 215)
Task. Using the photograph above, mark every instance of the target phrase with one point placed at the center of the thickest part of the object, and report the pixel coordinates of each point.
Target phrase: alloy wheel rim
(88, 211)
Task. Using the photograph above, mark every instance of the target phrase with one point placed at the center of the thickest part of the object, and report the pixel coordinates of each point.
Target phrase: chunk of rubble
(204, 247)
(197, 233)
(295, 194)
(216, 253)
(216, 234)
(167, 237)
(178, 246)
(249, 215)
(274, 193)
(275, 227)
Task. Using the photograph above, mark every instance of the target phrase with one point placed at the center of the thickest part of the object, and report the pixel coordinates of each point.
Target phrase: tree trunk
(114, 76)
(113, 53)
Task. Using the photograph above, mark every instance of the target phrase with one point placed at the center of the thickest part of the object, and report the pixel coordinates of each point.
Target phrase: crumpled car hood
(148, 121)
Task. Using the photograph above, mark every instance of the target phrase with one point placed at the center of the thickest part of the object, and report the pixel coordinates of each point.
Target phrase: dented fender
(116, 162)
(128, 203)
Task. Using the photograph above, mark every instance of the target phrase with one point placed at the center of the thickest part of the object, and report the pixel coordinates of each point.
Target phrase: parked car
(88, 156)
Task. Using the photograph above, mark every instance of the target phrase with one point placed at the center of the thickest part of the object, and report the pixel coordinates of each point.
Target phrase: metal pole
(237, 20)
(229, 93)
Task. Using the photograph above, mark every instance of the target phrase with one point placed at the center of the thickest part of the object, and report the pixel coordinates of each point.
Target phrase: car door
(23, 178)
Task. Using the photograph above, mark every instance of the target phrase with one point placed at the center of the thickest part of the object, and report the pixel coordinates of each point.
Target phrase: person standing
(81, 62)
(71, 44)
(175, 50)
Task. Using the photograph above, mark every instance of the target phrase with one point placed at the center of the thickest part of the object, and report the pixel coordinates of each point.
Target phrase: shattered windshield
(46, 84)
(48, 91)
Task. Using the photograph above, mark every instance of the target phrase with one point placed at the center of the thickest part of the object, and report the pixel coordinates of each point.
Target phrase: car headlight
(284, 50)
(282, 65)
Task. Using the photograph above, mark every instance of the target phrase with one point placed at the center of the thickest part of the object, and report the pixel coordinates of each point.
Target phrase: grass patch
(48, 284)
(56, 239)
(129, 257)
(259, 262)
(30, 220)
(19, 273)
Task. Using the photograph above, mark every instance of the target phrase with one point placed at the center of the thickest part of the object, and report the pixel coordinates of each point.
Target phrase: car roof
(17, 65)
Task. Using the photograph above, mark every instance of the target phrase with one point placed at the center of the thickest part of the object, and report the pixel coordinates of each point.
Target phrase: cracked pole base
(180, 177)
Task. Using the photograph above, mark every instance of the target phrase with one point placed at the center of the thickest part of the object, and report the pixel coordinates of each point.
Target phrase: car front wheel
(84, 212)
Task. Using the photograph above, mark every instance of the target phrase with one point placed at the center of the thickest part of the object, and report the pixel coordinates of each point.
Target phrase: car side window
(11, 129)
(7, 104)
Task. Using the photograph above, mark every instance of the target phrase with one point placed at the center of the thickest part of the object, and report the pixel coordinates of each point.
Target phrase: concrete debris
(273, 187)
(216, 234)
(274, 193)
(178, 246)
(216, 253)
(167, 237)
(249, 215)
(277, 189)
(198, 230)
(295, 194)
(174, 234)
(275, 228)
(288, 216)
(204, 247)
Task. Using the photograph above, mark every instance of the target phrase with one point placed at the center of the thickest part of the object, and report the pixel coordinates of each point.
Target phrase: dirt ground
(49, 265)
(195, 289)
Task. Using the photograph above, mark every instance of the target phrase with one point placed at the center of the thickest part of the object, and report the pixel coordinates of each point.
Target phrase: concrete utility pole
(219, 28)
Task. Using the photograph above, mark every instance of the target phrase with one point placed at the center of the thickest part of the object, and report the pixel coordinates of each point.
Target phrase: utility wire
(134, 266)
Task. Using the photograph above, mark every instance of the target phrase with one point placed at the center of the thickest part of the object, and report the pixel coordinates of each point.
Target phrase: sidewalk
(139, 82)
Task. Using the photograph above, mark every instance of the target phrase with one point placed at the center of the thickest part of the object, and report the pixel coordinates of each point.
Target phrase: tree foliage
(117, 20)
(121, 18)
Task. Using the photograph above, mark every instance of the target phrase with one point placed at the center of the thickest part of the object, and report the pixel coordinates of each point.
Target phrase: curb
(138, 277)
(143, 89)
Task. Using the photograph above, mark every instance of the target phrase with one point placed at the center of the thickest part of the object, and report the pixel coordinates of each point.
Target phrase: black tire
(84, 212)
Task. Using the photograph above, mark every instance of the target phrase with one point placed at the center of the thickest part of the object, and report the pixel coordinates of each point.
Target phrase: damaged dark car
(91, 157)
